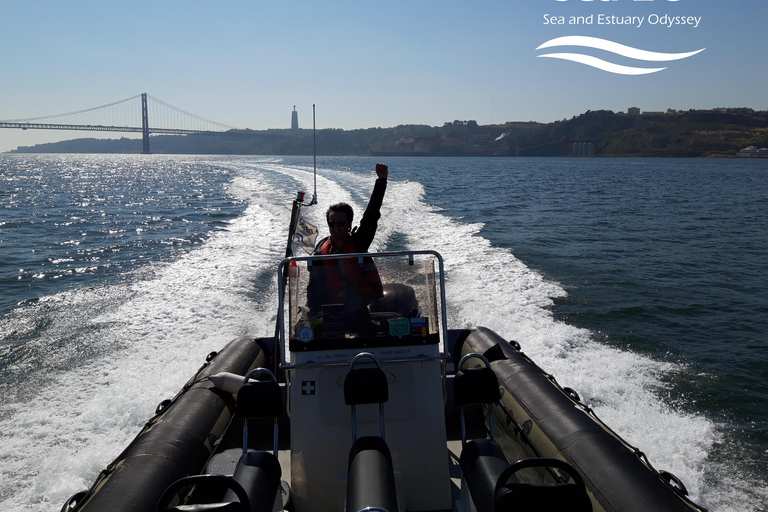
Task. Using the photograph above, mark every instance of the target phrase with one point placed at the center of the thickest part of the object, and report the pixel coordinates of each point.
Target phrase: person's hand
(382, 171)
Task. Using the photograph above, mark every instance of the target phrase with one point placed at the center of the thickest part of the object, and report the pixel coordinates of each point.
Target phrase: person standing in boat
(345, 282)
(343, 239)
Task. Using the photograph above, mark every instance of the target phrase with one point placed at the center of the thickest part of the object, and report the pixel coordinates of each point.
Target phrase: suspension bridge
(128, 115)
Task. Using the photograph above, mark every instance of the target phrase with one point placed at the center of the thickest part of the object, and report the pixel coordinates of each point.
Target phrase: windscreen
(361, 301)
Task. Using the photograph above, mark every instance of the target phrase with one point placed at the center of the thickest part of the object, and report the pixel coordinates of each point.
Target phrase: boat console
(390, 307)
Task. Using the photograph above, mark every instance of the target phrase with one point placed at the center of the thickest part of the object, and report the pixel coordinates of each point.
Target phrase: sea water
(639, 283)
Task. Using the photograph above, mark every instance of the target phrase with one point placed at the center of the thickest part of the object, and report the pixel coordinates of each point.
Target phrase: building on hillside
(753, 152)
(583, 149)
(427, 145)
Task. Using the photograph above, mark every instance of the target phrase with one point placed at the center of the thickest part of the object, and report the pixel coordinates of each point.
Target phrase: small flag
(305, 236)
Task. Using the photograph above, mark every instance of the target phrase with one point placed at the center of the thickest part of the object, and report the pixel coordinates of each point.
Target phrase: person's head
(338, 208)
(339, 217)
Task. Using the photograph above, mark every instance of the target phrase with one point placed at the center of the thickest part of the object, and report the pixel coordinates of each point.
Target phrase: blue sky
(367, 64)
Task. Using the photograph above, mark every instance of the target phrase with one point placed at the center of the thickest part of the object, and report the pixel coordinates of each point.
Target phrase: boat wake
(55, 438)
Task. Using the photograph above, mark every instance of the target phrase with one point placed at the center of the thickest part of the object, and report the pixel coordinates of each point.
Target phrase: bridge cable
(73, 113)
(199, 118)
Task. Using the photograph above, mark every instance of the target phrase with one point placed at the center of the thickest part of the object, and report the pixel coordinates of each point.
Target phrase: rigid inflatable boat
(364, 400)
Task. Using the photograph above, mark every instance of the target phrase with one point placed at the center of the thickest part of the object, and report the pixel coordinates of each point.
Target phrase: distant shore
(719, 133)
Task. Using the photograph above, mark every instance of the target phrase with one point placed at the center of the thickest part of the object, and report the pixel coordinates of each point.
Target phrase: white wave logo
(616, 48)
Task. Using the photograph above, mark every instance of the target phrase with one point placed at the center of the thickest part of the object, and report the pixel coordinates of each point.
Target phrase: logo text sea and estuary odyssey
(611, 19)
(605, 20)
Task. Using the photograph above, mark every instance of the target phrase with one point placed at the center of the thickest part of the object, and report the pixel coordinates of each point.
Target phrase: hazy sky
(368, 64)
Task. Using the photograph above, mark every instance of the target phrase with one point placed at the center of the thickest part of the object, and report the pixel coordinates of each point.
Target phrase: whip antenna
(314, 155)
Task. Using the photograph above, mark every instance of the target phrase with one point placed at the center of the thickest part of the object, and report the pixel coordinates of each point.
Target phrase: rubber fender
(614, 474)
(177, 442)
(484, 341)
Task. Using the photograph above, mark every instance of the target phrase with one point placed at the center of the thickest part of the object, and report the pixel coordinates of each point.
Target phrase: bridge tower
(144, 122)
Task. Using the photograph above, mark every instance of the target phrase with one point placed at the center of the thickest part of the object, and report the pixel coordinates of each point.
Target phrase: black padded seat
(511, 495)
(482, 462)
(242, 503)
(476, 386)
(370, 472)
(259, 474)
(371, 481)
(255, 484)
(365, 386)
(260, 399)
(491, 481)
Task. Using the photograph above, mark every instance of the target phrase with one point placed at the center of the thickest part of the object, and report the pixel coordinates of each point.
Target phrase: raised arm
(364, 235)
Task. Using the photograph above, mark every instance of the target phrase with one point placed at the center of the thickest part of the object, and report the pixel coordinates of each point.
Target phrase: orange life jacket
(341, 274)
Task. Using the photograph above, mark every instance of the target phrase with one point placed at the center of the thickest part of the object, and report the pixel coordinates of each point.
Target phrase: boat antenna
(314, 155)
(296, 212)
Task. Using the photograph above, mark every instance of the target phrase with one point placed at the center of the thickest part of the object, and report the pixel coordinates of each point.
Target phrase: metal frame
(354, 407)
(247, 377)
(491, 429)
(282, 274)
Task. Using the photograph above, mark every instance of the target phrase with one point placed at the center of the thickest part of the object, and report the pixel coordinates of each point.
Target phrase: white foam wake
(78, 419)
(226, 287)
(489, 286)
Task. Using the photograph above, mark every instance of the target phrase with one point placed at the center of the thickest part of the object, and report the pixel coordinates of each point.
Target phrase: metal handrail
(419, 358)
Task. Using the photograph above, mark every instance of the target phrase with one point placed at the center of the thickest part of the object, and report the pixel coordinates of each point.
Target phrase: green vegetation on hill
(694, 133)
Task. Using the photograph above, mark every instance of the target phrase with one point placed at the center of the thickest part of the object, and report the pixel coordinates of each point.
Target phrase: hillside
(693, 133)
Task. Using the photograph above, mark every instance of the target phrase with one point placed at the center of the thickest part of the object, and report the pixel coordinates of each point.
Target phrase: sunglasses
(337, 224)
